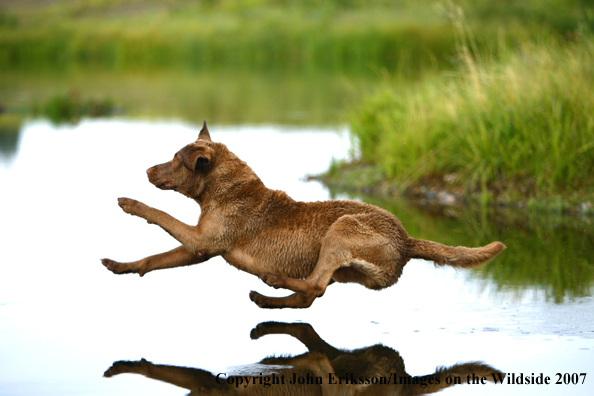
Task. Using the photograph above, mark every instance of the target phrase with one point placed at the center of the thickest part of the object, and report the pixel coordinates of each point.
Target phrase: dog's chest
(241, 260)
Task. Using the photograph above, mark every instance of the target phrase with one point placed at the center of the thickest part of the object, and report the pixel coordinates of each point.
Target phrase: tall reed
(521, 123)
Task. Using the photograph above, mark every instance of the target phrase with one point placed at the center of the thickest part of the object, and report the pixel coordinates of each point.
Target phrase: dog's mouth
(165, 186)
(155, 178)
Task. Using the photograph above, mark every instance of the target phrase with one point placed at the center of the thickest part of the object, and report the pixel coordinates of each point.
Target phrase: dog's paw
(132, 206)
(274, 280)
(256, 297)
(260, 300)
(119, 268)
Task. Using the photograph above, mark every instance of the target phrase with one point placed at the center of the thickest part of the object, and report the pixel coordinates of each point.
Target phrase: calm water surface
(65, 319)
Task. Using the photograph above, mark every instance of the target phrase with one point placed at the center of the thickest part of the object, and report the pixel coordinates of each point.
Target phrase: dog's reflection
(323, 370)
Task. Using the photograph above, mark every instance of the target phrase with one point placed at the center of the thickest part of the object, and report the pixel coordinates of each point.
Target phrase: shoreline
(441, 192)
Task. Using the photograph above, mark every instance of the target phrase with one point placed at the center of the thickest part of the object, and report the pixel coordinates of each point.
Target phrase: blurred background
(499, 89)
(472, 121)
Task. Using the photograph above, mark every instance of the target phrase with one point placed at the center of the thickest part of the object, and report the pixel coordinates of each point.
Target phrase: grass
(341, 35)
(273, 41)
(518, 126)
(351, 39)
(513, 116)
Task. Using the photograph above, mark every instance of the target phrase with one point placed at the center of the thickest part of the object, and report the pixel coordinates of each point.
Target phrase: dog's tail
(459, 257)
(437, 381)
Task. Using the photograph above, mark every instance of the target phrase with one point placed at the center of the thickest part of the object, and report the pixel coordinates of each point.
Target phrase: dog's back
(286, 237)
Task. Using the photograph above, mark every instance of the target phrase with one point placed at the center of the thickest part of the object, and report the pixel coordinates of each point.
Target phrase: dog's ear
(196, 159)
(204, 135)
(201, 163)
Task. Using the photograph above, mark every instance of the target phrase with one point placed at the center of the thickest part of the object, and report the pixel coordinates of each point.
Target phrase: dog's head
(188, 171)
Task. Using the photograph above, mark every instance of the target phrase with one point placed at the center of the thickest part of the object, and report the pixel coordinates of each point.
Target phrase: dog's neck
(231, 184)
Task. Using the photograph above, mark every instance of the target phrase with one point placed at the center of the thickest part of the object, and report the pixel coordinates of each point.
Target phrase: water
(230, 96)
(65, 319)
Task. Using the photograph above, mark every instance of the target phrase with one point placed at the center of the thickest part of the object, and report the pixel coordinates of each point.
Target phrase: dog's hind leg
(177, 257)
(355, 249)
(296, 300)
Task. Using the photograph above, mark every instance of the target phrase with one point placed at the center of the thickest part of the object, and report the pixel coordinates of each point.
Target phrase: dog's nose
(150, 170)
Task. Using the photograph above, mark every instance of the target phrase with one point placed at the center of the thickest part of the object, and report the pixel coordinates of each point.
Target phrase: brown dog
(300, 246)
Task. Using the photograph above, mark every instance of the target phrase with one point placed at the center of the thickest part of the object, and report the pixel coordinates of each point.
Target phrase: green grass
(274, 41)
(518, 125)
(341, 35)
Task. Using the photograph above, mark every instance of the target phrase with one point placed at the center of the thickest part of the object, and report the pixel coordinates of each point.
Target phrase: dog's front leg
(177, 257)
(187, 235)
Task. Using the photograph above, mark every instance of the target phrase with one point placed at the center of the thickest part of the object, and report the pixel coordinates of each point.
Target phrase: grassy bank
(282, 51)
(515, 128)
(407, 36)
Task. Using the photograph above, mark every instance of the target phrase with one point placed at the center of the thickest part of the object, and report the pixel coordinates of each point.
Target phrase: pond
(65, 319)
(235, 96)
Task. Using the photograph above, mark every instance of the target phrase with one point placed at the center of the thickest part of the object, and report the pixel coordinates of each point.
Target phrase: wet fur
(300, 246)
